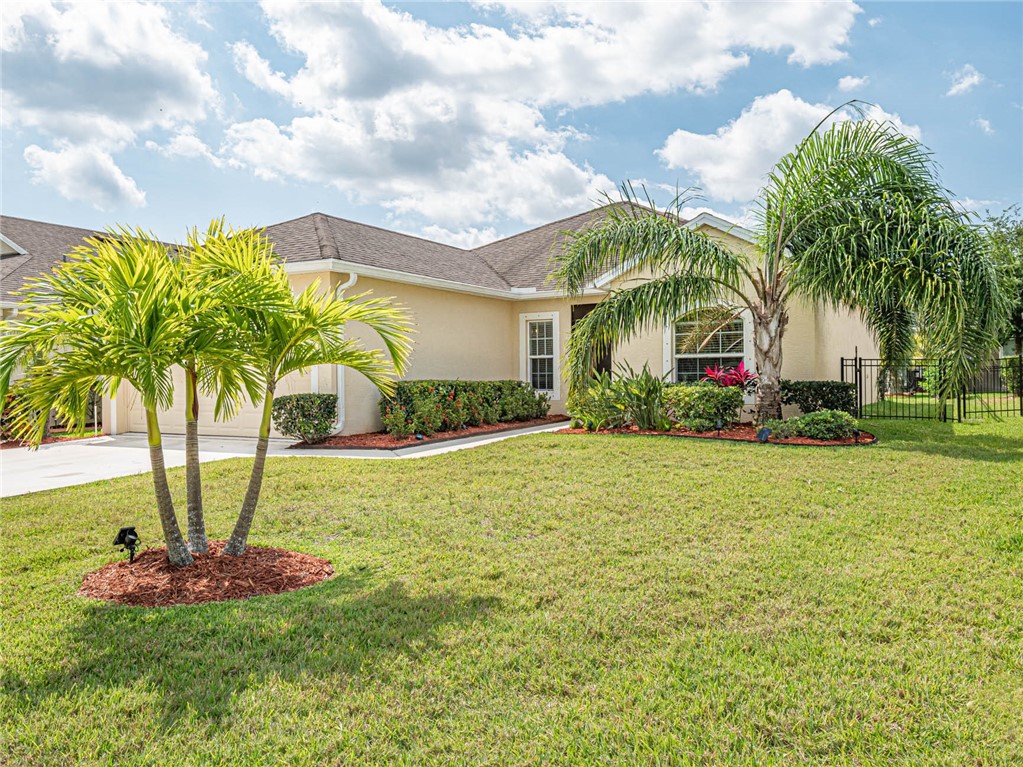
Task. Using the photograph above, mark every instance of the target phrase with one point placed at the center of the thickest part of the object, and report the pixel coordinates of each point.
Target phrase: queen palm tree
(110, 312)
(855, 216)
(312, 332)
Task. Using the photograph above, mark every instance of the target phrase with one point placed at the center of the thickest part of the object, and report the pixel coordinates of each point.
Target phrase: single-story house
(492, 312)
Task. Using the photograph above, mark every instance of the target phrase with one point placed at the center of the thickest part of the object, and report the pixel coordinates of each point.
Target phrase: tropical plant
(110, 312)
(855, 216)
(738, 376)
(312, 332)
(641, 397)
(1006, 235)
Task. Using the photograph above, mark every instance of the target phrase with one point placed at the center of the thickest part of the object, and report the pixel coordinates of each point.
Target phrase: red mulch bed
(152, 581)
(381, 440)
(740, 433)
(12, 443)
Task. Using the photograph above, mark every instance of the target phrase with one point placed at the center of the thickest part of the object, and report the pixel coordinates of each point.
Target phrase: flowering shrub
(426, 407)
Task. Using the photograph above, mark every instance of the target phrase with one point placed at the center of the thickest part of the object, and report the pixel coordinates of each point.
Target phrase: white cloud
(850, 83)
(466, 239)
(731, 163)
(186, 144)
(985, 126)
(85, 174)
(449, 123)
(970, 205)
(874, 22)
(92, 77)
(964, 81)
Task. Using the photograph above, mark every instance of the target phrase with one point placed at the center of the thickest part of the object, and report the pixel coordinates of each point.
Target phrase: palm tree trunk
(769, 321)
(197, 540)
(236, 543)
(177, 551)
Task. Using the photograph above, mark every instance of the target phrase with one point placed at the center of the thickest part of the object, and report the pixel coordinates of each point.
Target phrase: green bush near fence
(811, 396)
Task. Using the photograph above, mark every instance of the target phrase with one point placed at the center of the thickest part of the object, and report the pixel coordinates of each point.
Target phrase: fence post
(859, 386)
(1019, 381)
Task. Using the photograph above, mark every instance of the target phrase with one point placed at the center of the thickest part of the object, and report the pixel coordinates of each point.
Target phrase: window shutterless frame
(539, 352)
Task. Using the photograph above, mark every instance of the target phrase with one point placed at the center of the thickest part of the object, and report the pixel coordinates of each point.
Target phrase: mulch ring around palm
(738, 433)
(152, 581)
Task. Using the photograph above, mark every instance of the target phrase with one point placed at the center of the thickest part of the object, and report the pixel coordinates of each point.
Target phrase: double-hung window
(724, 349)
(539, 366)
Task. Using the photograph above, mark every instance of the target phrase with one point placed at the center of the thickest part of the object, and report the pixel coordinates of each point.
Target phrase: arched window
(727, 345)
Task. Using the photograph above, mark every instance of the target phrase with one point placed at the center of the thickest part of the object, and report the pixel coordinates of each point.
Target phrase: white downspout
(339, 370)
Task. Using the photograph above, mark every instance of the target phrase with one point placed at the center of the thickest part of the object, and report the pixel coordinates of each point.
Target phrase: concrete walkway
(63, 464)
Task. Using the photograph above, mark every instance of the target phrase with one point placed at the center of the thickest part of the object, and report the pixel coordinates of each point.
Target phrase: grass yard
(551, 600)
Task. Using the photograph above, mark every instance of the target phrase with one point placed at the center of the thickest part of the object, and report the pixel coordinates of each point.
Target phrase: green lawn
(551, 600)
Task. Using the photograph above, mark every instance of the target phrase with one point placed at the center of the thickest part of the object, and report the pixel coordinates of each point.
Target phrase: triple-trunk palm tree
(111, 312)
(854, 217)
(124, 307)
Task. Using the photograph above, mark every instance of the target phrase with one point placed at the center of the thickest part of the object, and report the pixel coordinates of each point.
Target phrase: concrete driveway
(63, 464)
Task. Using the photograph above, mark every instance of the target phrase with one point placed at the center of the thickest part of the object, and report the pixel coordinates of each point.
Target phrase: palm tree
(221, 272)
(854, 217)
(312, 333)
(110, 312)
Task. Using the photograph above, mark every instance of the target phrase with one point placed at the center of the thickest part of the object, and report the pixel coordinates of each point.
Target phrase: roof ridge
(324, 237)
(50, 223)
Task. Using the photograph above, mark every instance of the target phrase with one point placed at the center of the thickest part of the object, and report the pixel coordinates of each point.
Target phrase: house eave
(393, 275)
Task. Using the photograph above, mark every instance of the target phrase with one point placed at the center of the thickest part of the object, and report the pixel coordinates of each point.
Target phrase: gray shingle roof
(520, 261)
(45, 245)
(320, 236)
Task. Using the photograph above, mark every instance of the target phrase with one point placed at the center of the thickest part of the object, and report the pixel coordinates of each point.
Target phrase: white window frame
(670, 365)
(524, 320)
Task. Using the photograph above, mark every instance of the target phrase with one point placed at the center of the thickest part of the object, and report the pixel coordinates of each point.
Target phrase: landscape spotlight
(763, 434)
(856, 434)
(718, 425)
(129, 540)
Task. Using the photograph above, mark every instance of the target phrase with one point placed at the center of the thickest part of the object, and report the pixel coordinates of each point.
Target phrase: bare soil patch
(381, 440)
(152, 581)
(739, 433)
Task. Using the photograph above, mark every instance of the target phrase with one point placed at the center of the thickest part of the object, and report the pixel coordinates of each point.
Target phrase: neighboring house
(488, 313)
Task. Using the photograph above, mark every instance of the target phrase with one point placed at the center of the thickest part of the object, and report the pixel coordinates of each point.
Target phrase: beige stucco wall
(460, 335)
(457, 335)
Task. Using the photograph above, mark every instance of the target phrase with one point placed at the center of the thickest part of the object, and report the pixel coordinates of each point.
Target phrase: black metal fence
(906, 391)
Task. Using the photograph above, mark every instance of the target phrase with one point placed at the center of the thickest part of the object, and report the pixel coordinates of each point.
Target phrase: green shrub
(436, 405)
(783, 429)
(309, 417)
(811, 396)
(820, 424)
(396, 421)
(827, 424)
(699, 424)
(1011, 374)
(703, 401)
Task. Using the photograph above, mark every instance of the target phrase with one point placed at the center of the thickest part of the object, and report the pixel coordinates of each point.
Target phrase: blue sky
(468, 122)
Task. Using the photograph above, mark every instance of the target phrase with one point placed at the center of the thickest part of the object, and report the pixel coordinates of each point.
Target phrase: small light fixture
(419, 436)
(129, 540)
(856, 434)
(763, 435)
(718, 425)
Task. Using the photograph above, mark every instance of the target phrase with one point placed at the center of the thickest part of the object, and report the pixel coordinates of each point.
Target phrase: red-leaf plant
(737, 376)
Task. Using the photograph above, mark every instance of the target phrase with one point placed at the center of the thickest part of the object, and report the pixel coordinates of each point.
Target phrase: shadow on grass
(939, 438)
(199, 658)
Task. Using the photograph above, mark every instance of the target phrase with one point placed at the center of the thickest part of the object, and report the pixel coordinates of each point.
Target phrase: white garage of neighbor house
(488, 313)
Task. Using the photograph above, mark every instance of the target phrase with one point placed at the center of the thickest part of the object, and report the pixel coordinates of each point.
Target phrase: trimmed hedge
(811, 396)
(309, 417)
(426, 407)
(693, 402)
